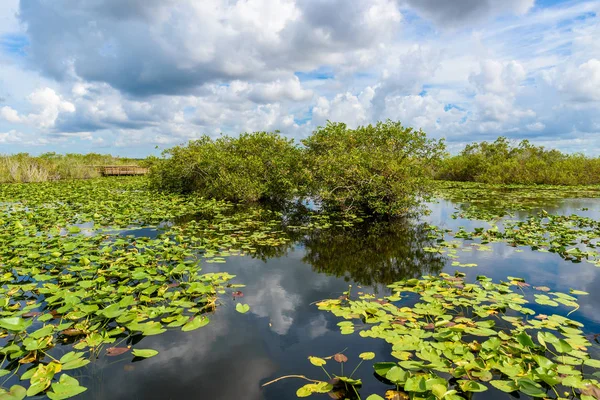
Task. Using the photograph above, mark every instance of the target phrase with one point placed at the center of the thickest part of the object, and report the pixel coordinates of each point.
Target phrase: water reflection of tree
(373, 252)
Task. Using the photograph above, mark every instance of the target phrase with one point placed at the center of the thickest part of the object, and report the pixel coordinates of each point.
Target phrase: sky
(134, 77)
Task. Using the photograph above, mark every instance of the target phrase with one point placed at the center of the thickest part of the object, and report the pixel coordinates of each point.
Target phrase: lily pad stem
(290, 376)
(361, 361)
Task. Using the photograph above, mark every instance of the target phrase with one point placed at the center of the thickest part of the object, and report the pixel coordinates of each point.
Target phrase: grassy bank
(51, 166)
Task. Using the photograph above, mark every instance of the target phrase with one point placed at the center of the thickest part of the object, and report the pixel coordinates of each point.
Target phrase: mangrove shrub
(252, 167)
(503, 162)
(382, 169)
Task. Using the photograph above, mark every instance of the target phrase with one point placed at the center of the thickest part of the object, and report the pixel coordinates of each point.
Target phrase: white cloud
(10, 114)
(278, 90)
(11, 137)
(422, 112)
(48, 105)
(459, 12)
(351, 109)
(536, 126)
(580, 83)
(134, 74)
(498, 77)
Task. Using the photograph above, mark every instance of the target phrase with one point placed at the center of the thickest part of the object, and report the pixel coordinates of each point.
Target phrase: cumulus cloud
(422, 112)
(351, 109)
(10, 114)
(278, 90)
(172, 47)
(498, 77)
(580, 83)
(11, 137)
(48, 105)
(458, 12)
(132, 74)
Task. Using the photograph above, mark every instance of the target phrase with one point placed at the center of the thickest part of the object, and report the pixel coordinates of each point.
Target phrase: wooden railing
(112, 170)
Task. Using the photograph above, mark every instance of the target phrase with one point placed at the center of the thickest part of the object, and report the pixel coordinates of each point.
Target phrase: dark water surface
(235, 354)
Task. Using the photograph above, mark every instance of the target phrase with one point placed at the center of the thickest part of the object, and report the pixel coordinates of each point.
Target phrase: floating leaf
(505, 386)
(16, 392)
(144, 353)
(196, 322)
(367, 356)
(242, 308)
(578, 292)
(115, 351)
(316, 361)
(531, 388)
(471, 386)
(14, 324)
(65, 388)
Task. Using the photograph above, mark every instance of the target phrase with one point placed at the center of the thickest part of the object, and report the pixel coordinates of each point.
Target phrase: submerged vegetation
(51, 166)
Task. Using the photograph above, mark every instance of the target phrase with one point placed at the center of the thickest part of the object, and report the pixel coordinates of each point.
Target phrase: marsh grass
(24, 168)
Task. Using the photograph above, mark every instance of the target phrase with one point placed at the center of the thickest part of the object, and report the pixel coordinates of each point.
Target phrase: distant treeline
(23, 167)
(506, 162)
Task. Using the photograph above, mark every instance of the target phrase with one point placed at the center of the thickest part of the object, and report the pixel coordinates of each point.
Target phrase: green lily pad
(242, 308)
(144, 353)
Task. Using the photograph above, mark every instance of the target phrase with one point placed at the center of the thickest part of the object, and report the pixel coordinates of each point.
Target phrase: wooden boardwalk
(118, 170)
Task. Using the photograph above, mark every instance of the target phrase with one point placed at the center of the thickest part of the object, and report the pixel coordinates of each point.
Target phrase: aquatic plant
(93, 292)
(453, 337)
(76, 284)
(489, 202)
(573, 237)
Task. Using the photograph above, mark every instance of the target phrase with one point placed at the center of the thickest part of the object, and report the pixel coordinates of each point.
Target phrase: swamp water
(232, 356)
(235, 354)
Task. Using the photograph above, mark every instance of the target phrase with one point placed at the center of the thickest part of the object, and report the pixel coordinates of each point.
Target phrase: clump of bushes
(23, 167)
(503, 162)
(252, 167)
(380, 169)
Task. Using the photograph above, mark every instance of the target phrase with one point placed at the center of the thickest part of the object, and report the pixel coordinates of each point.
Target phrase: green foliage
(478, 333)
(252, 167)
(382, 169)
(522, 163)
(23, 167)
(483, 201)
(70, 276)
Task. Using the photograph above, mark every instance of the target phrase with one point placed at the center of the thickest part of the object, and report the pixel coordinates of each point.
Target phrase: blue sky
(126, 76)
